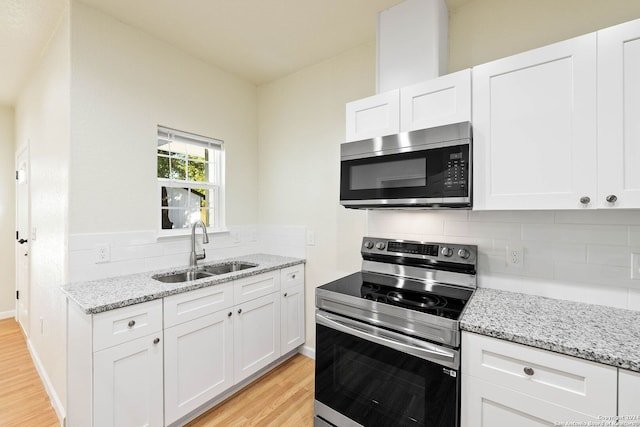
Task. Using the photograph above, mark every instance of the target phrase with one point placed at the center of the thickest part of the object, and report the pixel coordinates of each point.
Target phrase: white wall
(125, 83)
(7, 213)
(42, 119)
(484, 30)
(302, 122)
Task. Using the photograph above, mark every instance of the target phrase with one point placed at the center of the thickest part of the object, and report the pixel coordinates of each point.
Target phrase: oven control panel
(451, 252)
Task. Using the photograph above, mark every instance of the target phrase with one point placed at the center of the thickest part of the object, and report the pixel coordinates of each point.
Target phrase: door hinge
(17, 235)
(17, 175)
(17, 294)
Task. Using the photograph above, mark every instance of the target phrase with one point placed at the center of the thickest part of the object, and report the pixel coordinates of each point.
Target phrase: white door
(618, 112)
(534, 128)
(22, 239)
(198, 363)
(256, 326)
(128, 386)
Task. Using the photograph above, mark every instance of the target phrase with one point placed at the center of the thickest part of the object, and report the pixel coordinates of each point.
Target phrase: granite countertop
(593, 332)
(107, 294)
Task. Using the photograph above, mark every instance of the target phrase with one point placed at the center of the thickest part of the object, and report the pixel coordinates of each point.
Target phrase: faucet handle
(203, 255)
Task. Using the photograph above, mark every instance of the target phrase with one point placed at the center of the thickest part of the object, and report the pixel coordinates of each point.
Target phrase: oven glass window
(393, 174)
(378, 386)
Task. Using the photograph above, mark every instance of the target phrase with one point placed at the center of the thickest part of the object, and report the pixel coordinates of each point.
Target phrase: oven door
(373, 377)
(428, 177)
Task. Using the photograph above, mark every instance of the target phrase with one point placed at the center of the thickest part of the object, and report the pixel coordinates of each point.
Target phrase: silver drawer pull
(293, 276)
(156, 341)
(529, 371)
(131, 323)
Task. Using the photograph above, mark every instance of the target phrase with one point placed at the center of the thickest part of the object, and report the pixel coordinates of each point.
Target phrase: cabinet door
(198, 363)
(256, 335)
(488, 405)
(377, 115)
(618, 113)
(292, 320)
(128, 388)
(437, 102)
(252, 287)
(629, 394)
(534, 128)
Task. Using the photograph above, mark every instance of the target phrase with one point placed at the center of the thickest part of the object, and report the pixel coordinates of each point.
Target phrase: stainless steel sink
(227, 267)
(183, 276)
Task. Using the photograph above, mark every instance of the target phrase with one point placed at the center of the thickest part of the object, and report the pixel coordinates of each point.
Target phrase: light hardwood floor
(283, 397)
(23, 400)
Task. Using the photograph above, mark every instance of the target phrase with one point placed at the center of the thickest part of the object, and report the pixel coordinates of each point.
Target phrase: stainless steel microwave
(428, 168)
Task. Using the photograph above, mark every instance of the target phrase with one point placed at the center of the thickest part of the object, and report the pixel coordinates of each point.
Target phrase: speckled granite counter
(593, 332)
(115, 292)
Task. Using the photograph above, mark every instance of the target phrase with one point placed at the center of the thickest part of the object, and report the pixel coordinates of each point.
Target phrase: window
(190, 179)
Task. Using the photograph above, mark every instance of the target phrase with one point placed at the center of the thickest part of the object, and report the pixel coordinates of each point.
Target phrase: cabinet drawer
(125, 324)
(255, 286)
(191, 305)
(583, 386)
(292, 276)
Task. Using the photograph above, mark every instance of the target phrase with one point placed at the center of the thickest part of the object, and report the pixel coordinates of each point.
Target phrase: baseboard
(53, 396)
(7, 314)
(310, 352)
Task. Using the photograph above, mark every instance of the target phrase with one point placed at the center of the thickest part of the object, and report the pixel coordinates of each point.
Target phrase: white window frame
(216, 183)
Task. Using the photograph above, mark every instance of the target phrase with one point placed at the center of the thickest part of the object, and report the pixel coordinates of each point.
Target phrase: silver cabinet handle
(239, 311)
(230, 314)
(529, 371)
(131, 323)
(612, 198)
(156, 341)
(285, 294)
(585, 200)
(293, 276)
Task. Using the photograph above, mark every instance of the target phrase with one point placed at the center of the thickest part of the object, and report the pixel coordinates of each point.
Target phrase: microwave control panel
(456, 173)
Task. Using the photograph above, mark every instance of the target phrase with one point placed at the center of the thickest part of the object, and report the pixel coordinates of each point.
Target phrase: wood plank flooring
(23, 400)
(281, 398)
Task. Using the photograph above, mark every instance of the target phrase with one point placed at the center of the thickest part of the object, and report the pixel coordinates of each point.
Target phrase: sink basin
(184, 276)
(228, 267)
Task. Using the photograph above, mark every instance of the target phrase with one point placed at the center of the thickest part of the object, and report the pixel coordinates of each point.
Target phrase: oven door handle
(422, 349)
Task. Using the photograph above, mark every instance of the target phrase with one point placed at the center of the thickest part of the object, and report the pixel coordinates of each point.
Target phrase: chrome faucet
(193, 262)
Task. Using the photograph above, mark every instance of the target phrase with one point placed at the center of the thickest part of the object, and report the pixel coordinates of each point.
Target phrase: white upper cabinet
(618, 116)
(376, 115)
(534, 128)
(436, 102)
(440, 101)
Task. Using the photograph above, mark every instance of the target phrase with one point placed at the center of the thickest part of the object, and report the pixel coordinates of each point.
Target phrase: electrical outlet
(635, 266)
(515, 256)
(103, 253)
(311, 238)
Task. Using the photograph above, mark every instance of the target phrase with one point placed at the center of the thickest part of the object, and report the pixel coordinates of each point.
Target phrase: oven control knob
(380, 245)
(463, 253)
(368, 244)
(446, 251)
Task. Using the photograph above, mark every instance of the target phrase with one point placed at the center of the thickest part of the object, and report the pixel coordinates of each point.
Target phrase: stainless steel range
(388, 337)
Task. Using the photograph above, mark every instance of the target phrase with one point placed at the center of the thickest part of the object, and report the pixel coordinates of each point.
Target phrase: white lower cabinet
(292, 318)
(256, 335)
(629, 395)
(128, 384)
(198, 363)
(160, 362)
(508, 384)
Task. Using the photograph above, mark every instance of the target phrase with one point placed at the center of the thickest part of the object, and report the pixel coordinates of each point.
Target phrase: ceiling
(259, 40)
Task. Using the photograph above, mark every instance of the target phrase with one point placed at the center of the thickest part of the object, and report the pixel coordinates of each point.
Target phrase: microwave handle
(405, 344)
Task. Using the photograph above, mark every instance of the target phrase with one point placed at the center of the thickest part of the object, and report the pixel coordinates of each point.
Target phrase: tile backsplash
(140, 251)
(578, 255)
